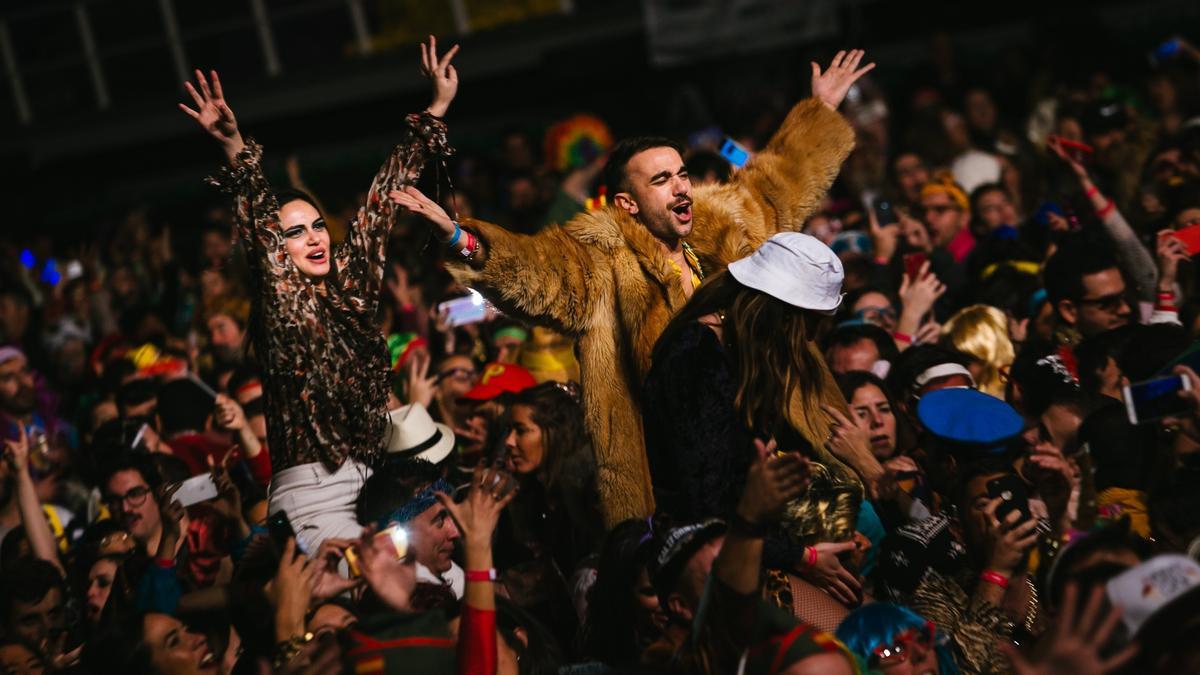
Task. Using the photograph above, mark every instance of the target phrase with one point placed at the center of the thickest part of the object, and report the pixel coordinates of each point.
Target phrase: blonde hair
(981, 331)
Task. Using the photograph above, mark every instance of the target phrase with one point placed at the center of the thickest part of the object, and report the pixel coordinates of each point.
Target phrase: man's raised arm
(791, 175)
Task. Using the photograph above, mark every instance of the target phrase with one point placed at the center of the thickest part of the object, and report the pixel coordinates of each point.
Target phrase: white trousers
(319, 504)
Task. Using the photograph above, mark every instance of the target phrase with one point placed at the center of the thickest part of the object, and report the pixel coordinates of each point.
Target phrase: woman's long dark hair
(539, 653)
(610, 632)
(771, 353)
(119, 648)
(567, 478)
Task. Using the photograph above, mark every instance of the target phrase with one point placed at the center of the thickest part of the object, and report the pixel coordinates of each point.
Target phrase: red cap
(500, 378)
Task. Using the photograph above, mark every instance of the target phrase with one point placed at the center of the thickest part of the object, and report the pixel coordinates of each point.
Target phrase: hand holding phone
(884, 213)
(734, 153)
(913, 262)
(279, 526)
(195, 490)
(397, 537)
(1190, 236)
(1155, 399)
(1013, 495)
(465, 310)
(1068, 149)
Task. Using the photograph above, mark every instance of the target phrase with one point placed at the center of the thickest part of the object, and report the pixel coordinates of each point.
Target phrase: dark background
(74, 166)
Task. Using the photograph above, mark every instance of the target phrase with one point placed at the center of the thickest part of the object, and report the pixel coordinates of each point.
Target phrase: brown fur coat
(603, 278)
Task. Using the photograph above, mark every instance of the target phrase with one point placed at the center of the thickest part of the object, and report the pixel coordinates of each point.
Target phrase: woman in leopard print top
(323, 359)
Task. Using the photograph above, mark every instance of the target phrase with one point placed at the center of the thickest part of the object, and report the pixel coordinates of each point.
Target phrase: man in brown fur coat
(614, 277)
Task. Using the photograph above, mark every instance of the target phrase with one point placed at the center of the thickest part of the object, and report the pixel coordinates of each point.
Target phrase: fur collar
(612, 229)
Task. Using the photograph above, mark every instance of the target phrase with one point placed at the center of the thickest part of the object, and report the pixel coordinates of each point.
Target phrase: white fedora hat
(412, 434)
(795, 268)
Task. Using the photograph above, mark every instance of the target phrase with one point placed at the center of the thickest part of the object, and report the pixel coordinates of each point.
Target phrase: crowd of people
(856, 396)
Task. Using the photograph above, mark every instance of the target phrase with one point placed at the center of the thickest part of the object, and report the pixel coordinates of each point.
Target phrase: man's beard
(22, 403)
(229, 356)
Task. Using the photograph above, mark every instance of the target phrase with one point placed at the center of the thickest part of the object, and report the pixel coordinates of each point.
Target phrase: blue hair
(879, 623)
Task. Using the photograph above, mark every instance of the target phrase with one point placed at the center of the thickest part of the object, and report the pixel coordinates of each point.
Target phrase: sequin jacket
(324, 362)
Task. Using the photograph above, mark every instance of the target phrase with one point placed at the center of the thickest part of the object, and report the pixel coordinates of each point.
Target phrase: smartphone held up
(1155, 399)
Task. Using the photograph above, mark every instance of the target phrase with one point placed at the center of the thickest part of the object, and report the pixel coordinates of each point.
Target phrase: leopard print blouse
(324, 362)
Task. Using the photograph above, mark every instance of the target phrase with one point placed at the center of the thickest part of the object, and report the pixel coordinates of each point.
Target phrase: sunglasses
(902, 645)
(1111, 303)
(460, 374)
(875, 314)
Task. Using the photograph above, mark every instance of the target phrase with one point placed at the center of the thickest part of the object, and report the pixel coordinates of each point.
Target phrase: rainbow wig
(879, 623)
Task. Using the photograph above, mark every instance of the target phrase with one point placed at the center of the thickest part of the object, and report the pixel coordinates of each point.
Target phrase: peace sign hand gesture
(441, 73)
(831, 86)
(213, 114)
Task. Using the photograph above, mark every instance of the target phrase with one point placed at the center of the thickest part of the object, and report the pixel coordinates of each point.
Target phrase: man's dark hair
(1068, 266)
(1151, 349)
(183, 406)
(980, 192)
(702, 163)
(136, 392)
(845, 336)
(119, 648)
(27, 581)
(1093, 353)
(916, 360)
(394, 484)
(130, 461)
(618, 159)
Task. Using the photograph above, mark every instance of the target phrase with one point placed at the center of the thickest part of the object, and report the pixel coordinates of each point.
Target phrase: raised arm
(362, 256)
(1136, 261)
(255, 210)
(41, 539)
(793, 172)
(546, 278)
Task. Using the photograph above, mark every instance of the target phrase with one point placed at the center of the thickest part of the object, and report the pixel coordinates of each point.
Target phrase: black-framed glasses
(134, 497)
(1111, 303)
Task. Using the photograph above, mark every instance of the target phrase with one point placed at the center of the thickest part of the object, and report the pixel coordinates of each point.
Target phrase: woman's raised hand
(212, 113)
(441, 73)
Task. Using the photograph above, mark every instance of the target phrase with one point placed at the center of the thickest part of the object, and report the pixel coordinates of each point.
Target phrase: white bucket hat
(795, 268)
(1142, 591)
(412, 434)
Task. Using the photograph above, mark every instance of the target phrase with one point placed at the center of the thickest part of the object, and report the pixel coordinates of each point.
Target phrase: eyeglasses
(888, 655)
(135, 497)
(1111, 303)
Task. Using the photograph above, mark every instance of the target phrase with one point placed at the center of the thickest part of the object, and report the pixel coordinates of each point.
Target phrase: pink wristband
(994, 578)
(480, 575)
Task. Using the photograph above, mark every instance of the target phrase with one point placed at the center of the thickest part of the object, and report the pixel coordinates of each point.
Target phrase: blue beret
(970, 418)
